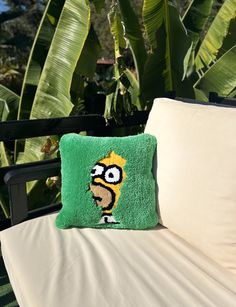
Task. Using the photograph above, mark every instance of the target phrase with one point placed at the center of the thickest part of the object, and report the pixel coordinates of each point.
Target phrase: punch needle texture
(107, 182)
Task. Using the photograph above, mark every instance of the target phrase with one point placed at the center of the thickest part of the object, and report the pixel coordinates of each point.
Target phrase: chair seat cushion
(109, 267)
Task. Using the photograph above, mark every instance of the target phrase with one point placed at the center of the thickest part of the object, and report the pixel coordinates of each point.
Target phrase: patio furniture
(187, 260)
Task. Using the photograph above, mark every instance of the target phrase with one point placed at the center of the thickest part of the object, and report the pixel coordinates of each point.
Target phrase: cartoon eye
(113, 175)
(97, 170)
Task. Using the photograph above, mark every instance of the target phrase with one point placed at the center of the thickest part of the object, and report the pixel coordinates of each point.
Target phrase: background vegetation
(18, 25)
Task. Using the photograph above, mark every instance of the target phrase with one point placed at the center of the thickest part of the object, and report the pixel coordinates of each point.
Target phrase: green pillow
(107, 182)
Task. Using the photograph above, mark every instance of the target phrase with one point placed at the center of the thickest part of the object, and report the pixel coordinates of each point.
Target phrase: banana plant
(38, 55)
(181, 57)
(123, 95)
(220, 77)
(170, 50)
(211, 45)
(52, 96)
(159, 69)
(171, 63)
(196, 17)
(215, 59)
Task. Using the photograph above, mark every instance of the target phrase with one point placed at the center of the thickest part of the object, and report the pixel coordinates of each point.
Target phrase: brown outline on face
(103, 196)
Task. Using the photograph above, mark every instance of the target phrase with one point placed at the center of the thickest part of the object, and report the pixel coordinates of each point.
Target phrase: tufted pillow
(107, 182)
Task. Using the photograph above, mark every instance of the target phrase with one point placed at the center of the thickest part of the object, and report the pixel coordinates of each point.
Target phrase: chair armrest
(16, 182)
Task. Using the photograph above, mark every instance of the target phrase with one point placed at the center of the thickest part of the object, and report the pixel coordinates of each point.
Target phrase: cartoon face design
(107, 178)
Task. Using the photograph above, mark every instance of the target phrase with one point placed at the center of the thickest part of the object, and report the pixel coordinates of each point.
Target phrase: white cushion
(110, 268)
(196, 174)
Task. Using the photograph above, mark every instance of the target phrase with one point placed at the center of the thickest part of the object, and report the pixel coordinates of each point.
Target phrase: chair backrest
(196, 174)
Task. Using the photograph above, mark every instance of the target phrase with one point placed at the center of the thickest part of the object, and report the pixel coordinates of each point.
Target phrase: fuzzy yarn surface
(107, 182)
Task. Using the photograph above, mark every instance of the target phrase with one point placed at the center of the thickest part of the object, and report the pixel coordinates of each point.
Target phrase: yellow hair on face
(113, 159)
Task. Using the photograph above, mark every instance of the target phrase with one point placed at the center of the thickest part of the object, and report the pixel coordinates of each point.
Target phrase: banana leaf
(11, 101)
(117, 30)
(233, 93)
(52, 98)
(134, 36)
(77, 94)
(153, 14)
(123, 95)
(4, 159)
(155, 18)
(220, 77)
(4, 201)
(178, 46)
(229, 40)
(108, 113)
(215, 36)
(196, 17)
(133, 89)
(38, 56)
(114, 101)
(4, 111)
(168, 57)
(200, 95)
(153, 80)
(91, 50)
(84, 70)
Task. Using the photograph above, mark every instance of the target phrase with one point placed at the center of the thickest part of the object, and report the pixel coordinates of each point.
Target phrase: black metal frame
(16, 176)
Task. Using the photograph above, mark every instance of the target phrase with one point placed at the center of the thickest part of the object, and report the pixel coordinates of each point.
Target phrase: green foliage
(117, 29)
(123, 95)
(170, 46)
(17, 29)
(189, 62)
(220, 77)
(196, 17)
(38, 55)
(8, 110)
(11, 101)
(134, 36)
(216, 34)
(52, 97)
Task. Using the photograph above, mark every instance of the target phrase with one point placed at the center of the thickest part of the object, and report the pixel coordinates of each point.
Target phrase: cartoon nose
(101, 195)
